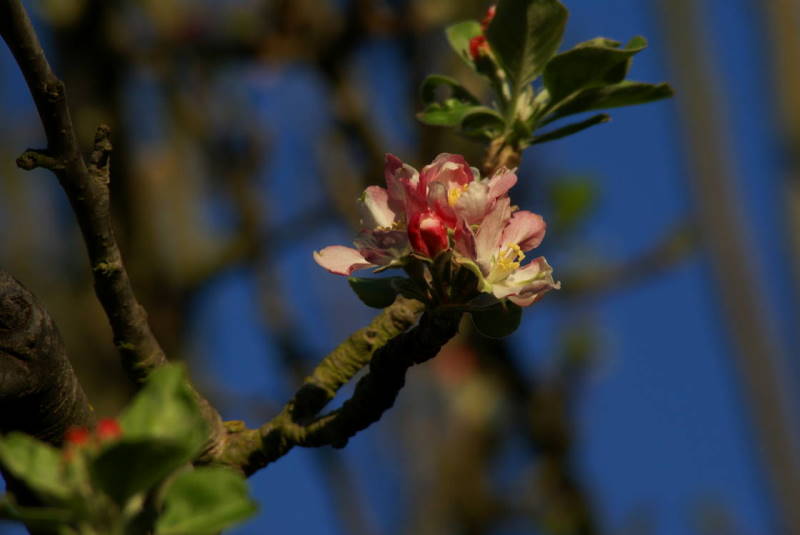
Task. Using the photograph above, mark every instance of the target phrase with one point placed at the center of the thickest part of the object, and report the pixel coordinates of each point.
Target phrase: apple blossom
(447, 207)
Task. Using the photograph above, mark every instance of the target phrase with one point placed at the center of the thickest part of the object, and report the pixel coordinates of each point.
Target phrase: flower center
(506, 261)
(454, 193)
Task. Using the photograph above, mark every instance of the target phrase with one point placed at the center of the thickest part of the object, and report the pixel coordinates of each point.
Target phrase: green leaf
(459, 35)
(375, 293)
(166, 410)
(38, 464)
(524, 35)
(205, 501)
(497, 321)
(589, 65)
(36, 517)
(482, 122)
(132, 466)
(613, 96)
(571, 129)
(433, 82)
(448, 111)
(600, 41)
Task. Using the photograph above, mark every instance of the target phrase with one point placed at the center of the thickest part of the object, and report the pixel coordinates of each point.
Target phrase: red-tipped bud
(77, 436)
(478, 47)
(108, 429)
(487, 19)
(427, 234)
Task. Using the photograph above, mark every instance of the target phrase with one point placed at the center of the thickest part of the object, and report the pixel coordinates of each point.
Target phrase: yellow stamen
(506, 261)
(454, 193)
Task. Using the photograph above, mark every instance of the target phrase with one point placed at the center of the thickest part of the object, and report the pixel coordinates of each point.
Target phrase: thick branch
(298, 424)
(39, 392)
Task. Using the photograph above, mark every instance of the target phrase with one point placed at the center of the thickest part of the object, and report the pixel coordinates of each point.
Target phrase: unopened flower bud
(77, 436)
(427, 234)
(487, 19)
(478, 47)
(108, 429)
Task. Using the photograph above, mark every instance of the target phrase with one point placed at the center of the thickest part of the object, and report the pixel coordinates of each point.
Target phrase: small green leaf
(497, 321)
(613, 96)
(433, 82)
(166, 409)
(482, 122)
(459, 35)
(570, 129)
(205, 501)
(375, 293)
(36, 517)
(589, 66)
(132, 466)
(38, 464)
(600, 41)
(448, 111)
(524, 35)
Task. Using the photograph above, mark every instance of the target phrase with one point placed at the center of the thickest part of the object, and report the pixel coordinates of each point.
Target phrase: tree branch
(298, 424)
(87, 190)
(39, 392)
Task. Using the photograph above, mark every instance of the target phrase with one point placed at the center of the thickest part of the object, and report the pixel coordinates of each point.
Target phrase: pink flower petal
(382, 247)
(437, 200)
(527, 284)
(374, 208)
(400, 180)
(502, 181)
(464, 240)
(473, 204)
(490, 232)
(341, 260)
(526, 229)
(447, 168)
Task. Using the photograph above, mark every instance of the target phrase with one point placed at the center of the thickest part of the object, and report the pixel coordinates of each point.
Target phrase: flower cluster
(447, 208)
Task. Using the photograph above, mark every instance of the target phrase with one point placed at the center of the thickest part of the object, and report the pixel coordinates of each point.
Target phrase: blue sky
(662, 426)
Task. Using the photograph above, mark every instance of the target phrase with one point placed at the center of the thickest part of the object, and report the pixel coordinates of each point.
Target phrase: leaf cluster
(142, 482)
(533, 85)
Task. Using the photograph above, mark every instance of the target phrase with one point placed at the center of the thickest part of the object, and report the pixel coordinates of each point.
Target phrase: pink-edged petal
(427, 234)
(374, 208)
(527, 284)
(382, 247)
(502, 181)
(490, 232)
(473, 204)
(341, 260)
(526, 229)
(400, 179)
(447, 168)
(437, 200)
(464, 241)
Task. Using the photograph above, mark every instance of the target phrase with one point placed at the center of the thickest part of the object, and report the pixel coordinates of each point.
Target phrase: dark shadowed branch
(86, 187)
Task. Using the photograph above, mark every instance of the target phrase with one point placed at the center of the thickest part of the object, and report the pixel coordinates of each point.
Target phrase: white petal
(374, 208)
(341, 260)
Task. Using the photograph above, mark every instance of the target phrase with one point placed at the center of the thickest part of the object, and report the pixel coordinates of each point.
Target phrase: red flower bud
(478, 47)
(487, 19)
(427, 234)
(77, 436)
(108, 429)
